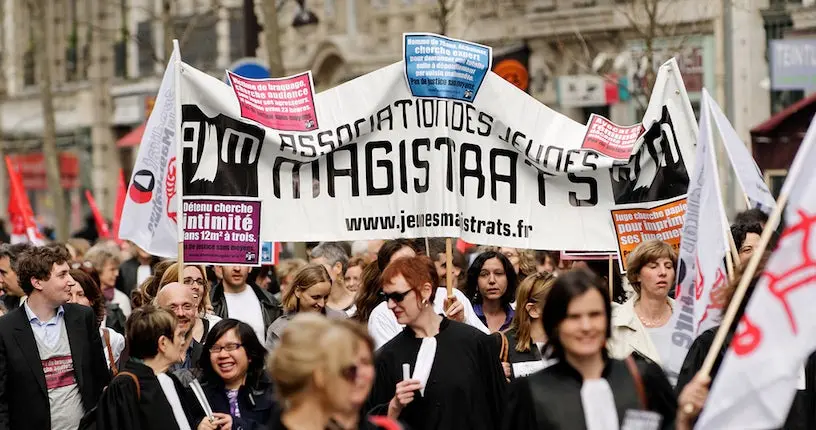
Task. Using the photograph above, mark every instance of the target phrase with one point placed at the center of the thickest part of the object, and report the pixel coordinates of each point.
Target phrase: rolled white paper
(406, 371)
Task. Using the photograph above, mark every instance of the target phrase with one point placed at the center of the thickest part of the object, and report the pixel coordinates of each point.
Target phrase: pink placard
(610, 139)
(278, 103)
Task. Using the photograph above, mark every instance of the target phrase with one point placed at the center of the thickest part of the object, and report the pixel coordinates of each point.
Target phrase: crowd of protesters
(359, 335)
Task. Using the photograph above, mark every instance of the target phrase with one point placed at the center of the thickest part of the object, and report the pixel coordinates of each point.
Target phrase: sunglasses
(396, 297)
(349, 373)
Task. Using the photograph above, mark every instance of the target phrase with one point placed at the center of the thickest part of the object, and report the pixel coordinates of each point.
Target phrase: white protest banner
(758, 378)
(149, 213)
(748, 173)
(701, 273)
(504, 169)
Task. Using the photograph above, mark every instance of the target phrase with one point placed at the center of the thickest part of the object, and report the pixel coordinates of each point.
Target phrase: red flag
(19, 208)
(101, 224)
(463, 246)
(121, 195)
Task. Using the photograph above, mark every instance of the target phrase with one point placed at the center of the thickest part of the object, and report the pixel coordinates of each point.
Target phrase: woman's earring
(425, 302)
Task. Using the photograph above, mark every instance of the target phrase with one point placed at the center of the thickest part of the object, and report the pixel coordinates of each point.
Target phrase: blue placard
(441, 67)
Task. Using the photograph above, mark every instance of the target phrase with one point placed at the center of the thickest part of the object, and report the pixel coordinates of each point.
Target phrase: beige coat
(629, 334)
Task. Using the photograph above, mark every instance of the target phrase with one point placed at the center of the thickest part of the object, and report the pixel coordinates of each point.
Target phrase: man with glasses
(179, 300)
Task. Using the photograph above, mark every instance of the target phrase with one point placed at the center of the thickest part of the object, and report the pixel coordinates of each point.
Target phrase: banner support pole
(179, 158)
(611, 275)
(449, 267)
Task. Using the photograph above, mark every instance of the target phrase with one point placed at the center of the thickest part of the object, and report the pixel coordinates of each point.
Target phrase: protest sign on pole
(775, 335)
(149, 215)
(747, 172)
(701, 273)
(636, 225)
(500, 169)
(121, 196)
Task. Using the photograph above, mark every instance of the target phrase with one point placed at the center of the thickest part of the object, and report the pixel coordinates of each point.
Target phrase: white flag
(748, 173)
(149, 214)
(757, 381)
(701, 271)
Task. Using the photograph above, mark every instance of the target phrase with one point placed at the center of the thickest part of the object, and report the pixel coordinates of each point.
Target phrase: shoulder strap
(505, 348)
(135, 381)
(384, 422)
(641, 392)
(206, 323)
(106, 335)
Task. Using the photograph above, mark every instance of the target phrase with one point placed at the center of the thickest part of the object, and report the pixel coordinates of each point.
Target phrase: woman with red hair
(436, 373)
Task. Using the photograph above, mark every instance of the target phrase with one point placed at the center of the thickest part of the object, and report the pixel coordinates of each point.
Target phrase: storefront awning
(772, 123)
(133, 138)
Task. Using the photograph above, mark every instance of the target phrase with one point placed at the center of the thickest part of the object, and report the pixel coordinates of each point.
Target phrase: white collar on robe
(598, 403)
(424, 362)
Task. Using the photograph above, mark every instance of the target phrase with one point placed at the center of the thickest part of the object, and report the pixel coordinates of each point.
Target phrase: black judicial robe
(551, 399)
(466, 386)
(121, 408)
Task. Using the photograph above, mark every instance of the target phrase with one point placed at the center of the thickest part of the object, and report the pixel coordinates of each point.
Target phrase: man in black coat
(52, 368)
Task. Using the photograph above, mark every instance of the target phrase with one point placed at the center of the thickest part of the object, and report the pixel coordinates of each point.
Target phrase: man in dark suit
(52, 368)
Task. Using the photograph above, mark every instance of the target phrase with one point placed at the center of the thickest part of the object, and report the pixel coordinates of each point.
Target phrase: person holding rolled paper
(144, 395)
(456, 380)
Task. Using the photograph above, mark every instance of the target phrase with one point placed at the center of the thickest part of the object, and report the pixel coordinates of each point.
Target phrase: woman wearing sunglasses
(194, 278)
(308, 293)
(232, 374)
(436, 373)
(322, 372)
(526, 336)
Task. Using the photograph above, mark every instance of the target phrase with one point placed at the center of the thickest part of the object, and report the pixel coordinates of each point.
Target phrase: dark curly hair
(92, 292)
(37, 262)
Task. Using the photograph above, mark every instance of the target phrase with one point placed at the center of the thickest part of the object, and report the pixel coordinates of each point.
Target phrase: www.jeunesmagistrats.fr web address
(472, 224)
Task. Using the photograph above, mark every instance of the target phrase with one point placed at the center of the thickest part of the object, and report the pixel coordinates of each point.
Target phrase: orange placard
(637, 225)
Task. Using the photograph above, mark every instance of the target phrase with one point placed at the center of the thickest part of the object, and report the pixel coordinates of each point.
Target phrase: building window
(120, 59)
(597, 110)
(775, 178)
(146, 50)
(236, 34)
(29, 68)
(201, 41)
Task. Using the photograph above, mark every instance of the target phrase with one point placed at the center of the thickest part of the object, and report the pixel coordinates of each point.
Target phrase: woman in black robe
(143, 395)
(457, 380)
(526, 336)
(586, 389)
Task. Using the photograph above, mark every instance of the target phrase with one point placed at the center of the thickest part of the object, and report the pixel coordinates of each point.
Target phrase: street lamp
(304, 17)
(252, 28)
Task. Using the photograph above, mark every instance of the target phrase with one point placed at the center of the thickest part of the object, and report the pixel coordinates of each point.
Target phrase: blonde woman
(526, 336)
(322, 371)
(641, 324)
(309, 293)
(194, 278)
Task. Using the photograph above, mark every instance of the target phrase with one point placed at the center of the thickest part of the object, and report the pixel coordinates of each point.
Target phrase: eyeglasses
(191, 281)
(349, 373)
(396, 297)
(215, 349)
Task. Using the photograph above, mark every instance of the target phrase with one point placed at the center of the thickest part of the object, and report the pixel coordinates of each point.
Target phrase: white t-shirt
(142, 273)
(172, 396)
(244, 306)
(383, 325)
(662, 339)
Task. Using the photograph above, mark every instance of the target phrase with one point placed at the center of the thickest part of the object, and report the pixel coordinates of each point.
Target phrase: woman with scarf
(491, 286)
